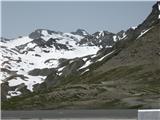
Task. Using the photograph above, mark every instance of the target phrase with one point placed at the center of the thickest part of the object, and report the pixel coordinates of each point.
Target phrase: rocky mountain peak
(152, 19)
(80, 32)
(42, 32)
(102, 33)
(156, 6)
(2, 39)
(156, 10)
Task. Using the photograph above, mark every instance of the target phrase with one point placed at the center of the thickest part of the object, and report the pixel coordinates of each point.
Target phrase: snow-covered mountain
(44, 49)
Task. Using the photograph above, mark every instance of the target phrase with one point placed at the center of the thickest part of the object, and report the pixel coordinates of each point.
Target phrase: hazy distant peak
(81, 32)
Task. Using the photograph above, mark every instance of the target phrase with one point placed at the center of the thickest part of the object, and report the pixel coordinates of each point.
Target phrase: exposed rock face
(72, 68)
(4, 90)
(80, 32)
(51, 79)
(39, 42)
(38, 33)
(101, 39)
(35, 35)
(41, 72)
(152, 19)
(23, 89)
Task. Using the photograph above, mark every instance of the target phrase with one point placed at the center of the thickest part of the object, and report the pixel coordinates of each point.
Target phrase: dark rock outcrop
(4, 90)
(38, 33)
(72, 68)
(41, 72)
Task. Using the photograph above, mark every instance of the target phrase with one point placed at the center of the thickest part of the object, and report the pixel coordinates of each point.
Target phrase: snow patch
(107, 46)
(101, 33)
(124, 36)
(86, 65)
(15, 82)
(84, 32)
(84, 59)
(44, 32)
(114, 38)
(60, 69)
(71, 61)
(31, 45)
(85, 71)
(93, 56)
(13, 93)
(159, 11)
(143, 32)
(105, 56)
(29, 82)
(134, 27)
(32, 80)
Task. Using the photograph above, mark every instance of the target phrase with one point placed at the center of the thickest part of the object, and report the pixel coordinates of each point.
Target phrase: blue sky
(21, 18)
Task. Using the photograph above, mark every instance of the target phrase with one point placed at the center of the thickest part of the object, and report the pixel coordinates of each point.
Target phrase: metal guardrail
(82, 115)
(152, 114)
(70, 115)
